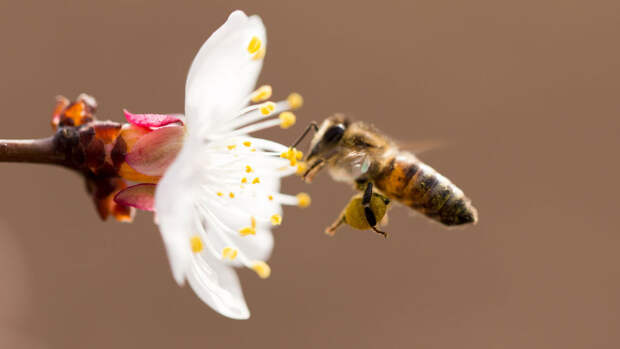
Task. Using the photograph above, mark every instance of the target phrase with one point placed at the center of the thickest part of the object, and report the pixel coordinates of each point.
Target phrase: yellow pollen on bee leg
(303, 200)
(256, 180)
(267, 108)
(263, 93)
(262, 269)
(247, 143)
(231, 147)
(248, 169)
(298, 154)
(260, 54)
(276, 219)
(287, 119)
(196, 244)
(254, 44)
(229, 253)
(295, 100)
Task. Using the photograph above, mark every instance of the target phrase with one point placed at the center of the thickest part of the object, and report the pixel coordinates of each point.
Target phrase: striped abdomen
(419, 186)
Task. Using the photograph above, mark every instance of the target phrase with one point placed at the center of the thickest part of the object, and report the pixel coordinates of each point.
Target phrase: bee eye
(333, 134)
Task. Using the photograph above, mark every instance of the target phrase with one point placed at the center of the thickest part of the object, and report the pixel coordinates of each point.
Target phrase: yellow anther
(262, 269)
(253, 150)
(303, 200)
(256, 180)
(301, 168)
(229, 253)
(270, 197)
(232, 195)
(247, 231)
(254, 44)
(231, 147)
(295, 100)
(287, 119)
(196, 243)
(263, 93)
(276, 219)
(244, 180)
(248, 168)
(247, 143)
(267, 108)
(292, 155)
(219, 193)
(260, 54)
(253, 221)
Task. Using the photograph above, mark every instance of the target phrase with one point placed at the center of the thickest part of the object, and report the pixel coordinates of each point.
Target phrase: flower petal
(155, 151)
(218, 286)
(140, 196)
(152, 120)
(223, 73)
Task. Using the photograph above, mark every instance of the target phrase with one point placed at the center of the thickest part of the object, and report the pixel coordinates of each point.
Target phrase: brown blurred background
(525, 94)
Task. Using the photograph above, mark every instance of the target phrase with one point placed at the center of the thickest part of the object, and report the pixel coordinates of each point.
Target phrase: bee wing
(419, 147)
(358, 161)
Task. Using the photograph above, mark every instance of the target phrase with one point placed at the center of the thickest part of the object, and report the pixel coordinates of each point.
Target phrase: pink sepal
(152, 120)
(140, 196)
(155, 151)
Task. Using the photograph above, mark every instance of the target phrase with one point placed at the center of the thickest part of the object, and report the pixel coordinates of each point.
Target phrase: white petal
(223, 73)
(175, 215)
(218, 286)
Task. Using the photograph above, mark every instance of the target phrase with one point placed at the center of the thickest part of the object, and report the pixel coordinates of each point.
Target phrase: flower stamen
(287, 119)
(295, 100)
(267, 108)
(303, 200)
(301, 168)
(260, 54)
(262, 269)
(229, 253)
(261, 94)
(276, 219)
(196, 244)
(251, 230)
(254, 45)
(292, 155)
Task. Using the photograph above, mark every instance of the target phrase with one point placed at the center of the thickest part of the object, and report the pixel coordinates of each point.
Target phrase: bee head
(325, 143)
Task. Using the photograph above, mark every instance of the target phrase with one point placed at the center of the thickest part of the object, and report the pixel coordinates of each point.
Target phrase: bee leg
(385, 235)
(370, 216)
(331, 230)
(367, 195)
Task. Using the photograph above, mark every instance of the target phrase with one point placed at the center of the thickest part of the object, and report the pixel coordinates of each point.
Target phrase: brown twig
(40, 151)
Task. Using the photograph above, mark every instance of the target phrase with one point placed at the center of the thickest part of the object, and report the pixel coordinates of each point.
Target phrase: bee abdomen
(420, 187)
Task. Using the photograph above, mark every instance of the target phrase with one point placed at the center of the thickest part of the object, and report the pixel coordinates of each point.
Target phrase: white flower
(218, 200)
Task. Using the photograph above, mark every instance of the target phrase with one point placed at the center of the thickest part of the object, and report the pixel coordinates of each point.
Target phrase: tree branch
(40, 151)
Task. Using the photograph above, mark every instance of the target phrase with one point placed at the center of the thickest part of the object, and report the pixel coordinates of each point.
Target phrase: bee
(358, 154)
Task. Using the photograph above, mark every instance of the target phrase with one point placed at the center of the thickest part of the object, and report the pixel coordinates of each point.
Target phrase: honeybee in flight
(357, 153)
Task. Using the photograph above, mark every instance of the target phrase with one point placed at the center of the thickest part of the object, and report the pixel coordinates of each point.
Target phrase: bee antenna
(312, 125)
